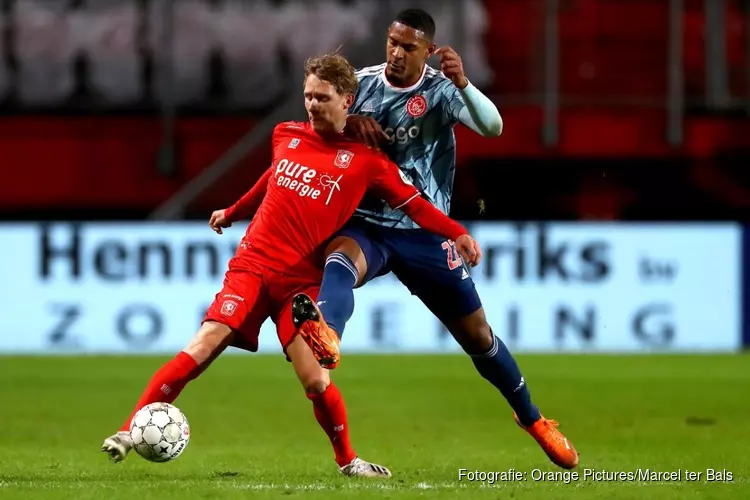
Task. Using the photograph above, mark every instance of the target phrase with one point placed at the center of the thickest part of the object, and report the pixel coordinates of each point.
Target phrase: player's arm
(244, 207)
(394, 187)
(466, 103)
(480, 113)
(250, 201)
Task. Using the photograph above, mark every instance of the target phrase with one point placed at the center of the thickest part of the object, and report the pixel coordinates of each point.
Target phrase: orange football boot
(322, 339)
(555, 445)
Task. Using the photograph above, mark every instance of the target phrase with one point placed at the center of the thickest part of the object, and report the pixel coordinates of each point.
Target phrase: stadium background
(613, 209)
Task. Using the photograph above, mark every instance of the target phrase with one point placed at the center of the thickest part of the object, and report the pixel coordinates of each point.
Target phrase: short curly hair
(334, 69)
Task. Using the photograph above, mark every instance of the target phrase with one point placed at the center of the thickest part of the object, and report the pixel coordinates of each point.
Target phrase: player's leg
(352, 259)
(488, 352)
(328, 403)
(457, 305)
(169, 380)
(239, 307)
(330, 411)
(433, 271)
(345, 269)
(497, 365)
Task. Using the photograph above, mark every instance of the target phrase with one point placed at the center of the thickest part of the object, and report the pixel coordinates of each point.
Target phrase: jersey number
(454, 259)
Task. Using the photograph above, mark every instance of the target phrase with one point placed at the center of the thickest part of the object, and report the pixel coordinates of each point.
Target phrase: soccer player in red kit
(316, 181)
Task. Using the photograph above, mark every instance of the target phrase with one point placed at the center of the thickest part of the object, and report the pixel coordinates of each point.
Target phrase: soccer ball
(160, 432)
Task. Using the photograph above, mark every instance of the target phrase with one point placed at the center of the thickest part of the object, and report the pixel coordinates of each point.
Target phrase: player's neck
(402, 84)
(405, 84)
(333, 133)
(339, 126)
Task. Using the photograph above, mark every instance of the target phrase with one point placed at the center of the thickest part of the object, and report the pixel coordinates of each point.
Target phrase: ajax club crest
(416, 106)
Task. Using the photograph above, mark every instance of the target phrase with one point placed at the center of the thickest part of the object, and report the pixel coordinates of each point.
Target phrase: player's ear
(349, 101)
(431, 50)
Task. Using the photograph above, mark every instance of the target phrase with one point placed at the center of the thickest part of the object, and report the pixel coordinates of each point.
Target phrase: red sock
(330, 412)
(167, 383)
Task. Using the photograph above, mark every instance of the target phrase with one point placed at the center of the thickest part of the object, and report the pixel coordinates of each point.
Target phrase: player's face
(407, 51)
(326, 108)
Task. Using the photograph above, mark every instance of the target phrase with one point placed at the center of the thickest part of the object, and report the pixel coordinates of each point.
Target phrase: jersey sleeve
(433, 220)
(251, 200)
(389, 183)
(453, 102)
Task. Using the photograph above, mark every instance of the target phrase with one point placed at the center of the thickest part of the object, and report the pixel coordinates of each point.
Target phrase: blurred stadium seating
(117, 104)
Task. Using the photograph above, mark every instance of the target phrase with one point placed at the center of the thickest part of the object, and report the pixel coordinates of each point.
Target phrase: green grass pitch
(425, 417)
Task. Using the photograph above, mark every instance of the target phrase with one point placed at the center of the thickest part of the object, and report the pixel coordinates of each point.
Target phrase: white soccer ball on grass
(160, 432)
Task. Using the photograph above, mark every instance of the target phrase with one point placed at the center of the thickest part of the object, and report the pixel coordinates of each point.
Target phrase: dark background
(625, 110)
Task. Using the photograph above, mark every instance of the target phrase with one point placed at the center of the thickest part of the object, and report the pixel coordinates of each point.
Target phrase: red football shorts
(251, 295)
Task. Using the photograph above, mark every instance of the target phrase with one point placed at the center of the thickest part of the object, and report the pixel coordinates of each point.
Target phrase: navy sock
(500, 369)
(336, 297)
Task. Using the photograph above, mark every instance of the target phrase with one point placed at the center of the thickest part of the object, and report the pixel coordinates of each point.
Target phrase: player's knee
(473, 333)
(351, 249)
(316, 384)
(481, 337)
(476, 340)
(211, 339)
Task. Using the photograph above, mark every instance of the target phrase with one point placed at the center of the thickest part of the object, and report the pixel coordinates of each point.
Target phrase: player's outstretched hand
(469, 250)
(451, 66)
(365, 129)
(218, 220)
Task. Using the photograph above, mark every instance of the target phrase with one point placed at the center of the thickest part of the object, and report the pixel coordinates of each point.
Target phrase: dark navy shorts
(428, 265)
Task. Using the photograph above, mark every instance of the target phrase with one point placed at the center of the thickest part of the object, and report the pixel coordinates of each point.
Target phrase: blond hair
(334, 69)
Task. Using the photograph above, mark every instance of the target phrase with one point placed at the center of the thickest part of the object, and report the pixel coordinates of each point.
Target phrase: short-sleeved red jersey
(313, 188)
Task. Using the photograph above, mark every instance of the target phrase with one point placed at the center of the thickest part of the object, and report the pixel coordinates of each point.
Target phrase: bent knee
(316, 385)
(482, 337)
(475, 339)
(351, 249)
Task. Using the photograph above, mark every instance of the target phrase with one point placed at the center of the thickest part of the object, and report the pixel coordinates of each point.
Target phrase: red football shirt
(313, 187)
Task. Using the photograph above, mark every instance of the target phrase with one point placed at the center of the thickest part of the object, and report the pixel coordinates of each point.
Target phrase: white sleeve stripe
(375, 66)
(407, 201)
(370, 70)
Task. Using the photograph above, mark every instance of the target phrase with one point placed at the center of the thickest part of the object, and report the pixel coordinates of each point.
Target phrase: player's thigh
(374, 251)
(431, 269)
(350, 248)
(449, 298)
(242, 305)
